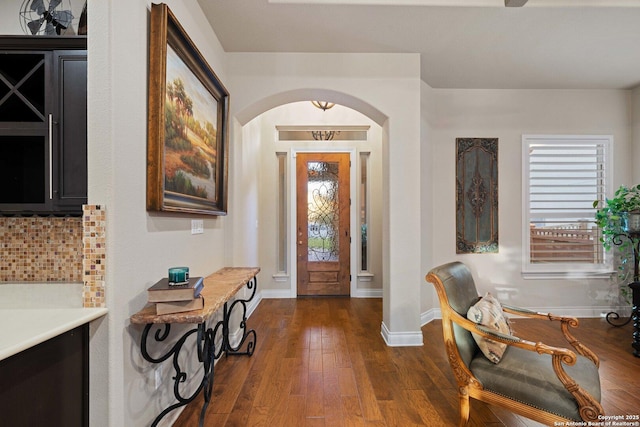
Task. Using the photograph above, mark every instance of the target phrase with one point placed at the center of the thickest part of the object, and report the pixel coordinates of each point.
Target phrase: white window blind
(563, 175)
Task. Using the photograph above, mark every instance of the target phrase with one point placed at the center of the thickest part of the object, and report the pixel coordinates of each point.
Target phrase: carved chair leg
(463, 395)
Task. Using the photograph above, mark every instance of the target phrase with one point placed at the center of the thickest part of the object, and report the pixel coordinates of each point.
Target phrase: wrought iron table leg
(180, 376)
(248, 336)
(635, 314)
(635, 251)
(615, 316)
(207, 355)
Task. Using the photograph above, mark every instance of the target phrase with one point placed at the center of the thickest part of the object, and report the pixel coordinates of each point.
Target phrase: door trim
(353, 191)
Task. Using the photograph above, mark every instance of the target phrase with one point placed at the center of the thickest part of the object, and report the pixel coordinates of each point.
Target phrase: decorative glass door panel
(322, 211)
(323, 223)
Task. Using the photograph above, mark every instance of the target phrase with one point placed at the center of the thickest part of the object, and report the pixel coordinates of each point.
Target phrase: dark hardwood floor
(323, 362)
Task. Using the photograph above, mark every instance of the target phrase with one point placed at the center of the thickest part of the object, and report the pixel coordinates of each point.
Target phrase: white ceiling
(564, 46)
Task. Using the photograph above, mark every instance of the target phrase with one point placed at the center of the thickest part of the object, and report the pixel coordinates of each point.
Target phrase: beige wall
(386, 88)
(141, 245)
(507, 114)
(429, 247)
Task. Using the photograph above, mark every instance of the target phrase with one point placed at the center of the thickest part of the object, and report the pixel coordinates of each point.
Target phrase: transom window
(563, 175)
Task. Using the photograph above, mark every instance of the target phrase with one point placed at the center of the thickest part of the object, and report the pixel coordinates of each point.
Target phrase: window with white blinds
(563, 175)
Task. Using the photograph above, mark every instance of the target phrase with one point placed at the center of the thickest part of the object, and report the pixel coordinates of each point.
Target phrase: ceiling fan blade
(514, 3)
(34, 26)
(38, 6)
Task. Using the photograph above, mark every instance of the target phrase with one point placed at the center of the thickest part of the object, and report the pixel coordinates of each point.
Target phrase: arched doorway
(273, 142)
(400, 241)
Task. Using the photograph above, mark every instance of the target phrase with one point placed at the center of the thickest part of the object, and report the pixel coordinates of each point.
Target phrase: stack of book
(174, 298)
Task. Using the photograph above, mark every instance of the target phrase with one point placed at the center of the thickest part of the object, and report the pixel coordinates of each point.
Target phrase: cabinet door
(70, 140)
(48, 384)
(25, 132)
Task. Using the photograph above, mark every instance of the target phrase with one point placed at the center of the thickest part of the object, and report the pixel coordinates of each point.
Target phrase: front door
(323, 234)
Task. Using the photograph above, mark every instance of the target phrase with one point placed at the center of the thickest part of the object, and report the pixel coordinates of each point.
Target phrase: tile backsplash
(40, 249)
(94, 221)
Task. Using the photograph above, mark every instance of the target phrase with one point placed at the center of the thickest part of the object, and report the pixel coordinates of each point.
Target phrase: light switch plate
(197, 226)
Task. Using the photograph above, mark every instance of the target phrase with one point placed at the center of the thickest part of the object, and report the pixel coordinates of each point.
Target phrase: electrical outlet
(197, 226)
(158, 373)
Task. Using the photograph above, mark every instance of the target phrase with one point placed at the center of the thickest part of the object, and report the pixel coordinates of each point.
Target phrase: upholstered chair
(545, 383)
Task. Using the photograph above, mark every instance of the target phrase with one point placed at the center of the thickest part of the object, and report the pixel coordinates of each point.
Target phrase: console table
(219, 288)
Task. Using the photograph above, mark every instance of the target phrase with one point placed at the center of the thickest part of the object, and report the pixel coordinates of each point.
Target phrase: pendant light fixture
(323, 105)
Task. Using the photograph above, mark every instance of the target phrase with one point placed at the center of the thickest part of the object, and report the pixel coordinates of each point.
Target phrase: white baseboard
(401, 339)
(367, 293)
(286, 293)
(276, 294)
(429, 315)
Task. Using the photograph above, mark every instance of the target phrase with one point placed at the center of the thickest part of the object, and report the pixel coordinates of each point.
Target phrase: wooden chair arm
(565, 323)
(590, 408)
(522, 311)
(534, 314)
(512, 340)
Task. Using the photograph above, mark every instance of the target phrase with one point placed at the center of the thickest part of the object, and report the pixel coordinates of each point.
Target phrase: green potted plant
(618, 217)
(620, 214)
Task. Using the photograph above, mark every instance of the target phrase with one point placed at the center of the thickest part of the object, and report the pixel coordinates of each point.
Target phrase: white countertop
(31, 313)
(25, 328)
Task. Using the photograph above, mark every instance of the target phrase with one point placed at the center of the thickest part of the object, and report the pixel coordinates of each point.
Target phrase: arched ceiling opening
(265, 104)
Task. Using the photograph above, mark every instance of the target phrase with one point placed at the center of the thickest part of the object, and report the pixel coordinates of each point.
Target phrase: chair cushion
(529, 378)
(488, 312)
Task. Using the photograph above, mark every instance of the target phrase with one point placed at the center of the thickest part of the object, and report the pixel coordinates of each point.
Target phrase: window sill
(569, 275)
(365, 276)
(281, 277)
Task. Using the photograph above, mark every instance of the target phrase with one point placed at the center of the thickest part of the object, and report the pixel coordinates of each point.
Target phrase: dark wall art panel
(476, 195)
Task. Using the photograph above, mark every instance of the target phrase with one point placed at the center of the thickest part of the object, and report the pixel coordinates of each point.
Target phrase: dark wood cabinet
(71, 150)
(43, 125)
(48, 384)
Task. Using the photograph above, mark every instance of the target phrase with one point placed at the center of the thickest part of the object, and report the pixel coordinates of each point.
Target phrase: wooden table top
(219, 288)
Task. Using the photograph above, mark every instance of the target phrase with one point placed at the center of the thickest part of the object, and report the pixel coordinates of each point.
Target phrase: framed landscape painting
(187, 150)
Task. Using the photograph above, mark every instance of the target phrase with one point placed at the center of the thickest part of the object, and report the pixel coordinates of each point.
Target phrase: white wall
(140, 245)
(386, 88)
(428, 180)
(260, 134)
(507, 114)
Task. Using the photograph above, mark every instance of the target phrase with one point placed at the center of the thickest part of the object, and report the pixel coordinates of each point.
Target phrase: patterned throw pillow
(488, 312)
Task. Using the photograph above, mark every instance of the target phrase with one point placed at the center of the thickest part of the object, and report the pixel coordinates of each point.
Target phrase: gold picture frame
(187, 149)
